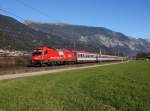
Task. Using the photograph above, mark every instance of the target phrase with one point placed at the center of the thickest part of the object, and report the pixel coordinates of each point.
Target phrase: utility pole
(74, 45)
(100, 51)
(118, 52)
(74, 41)
(99, 56)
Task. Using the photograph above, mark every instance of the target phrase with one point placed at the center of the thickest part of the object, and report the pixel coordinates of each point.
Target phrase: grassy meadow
(120, 87)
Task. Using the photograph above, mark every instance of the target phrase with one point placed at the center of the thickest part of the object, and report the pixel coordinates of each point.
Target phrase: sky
(131, 17)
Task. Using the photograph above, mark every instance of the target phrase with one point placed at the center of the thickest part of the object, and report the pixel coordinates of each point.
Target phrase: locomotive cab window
(37, 52)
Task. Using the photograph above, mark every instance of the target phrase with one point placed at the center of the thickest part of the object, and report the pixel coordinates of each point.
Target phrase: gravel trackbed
(12, 76)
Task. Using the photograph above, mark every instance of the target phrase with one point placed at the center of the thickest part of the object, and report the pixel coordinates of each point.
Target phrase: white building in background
(13, 53)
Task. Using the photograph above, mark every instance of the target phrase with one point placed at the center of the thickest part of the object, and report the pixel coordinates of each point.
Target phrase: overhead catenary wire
(11, 13)
(35, 10)
(30, 7)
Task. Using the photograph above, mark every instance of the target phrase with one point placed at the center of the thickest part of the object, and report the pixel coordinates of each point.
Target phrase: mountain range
(26, 35)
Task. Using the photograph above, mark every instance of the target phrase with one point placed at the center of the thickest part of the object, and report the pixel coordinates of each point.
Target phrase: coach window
(78, 55)
(81, 55)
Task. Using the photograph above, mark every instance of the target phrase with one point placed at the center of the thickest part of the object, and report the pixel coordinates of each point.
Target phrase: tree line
(143, 55)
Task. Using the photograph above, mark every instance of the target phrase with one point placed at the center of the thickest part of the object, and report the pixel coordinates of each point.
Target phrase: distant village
(6, 53)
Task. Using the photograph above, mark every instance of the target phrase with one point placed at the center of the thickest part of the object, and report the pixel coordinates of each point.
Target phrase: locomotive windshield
(37, 52)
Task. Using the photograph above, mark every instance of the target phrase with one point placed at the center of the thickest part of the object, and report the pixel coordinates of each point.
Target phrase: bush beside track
(14, 61)
(109, 88)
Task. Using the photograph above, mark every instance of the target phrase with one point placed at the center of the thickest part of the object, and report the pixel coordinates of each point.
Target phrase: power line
(34, 9)
(11, 13)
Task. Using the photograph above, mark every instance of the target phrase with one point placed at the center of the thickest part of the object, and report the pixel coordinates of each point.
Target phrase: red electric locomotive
(50, 56)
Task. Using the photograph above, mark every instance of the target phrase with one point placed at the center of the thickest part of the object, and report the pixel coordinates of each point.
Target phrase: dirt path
(12, 76)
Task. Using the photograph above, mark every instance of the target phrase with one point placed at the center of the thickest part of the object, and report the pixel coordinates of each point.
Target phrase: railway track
(25, 69)
(46, 70)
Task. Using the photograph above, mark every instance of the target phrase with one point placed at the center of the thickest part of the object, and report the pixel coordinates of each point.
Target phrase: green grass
(122, 87)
